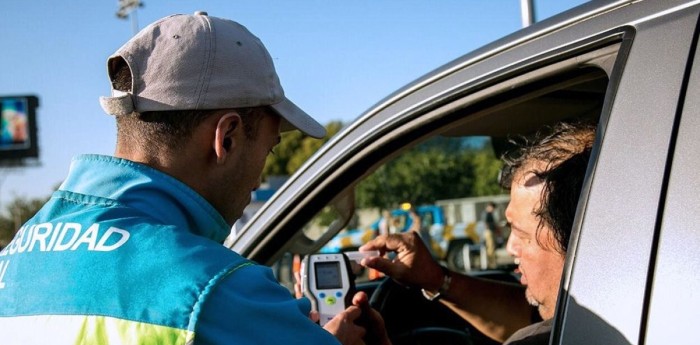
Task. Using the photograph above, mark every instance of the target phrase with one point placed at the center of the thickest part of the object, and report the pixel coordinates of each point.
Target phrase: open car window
(446, 170)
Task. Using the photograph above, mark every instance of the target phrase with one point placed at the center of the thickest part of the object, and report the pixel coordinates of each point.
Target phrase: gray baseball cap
(199, 62)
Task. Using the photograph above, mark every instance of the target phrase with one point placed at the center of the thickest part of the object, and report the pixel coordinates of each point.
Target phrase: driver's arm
(494, 308)
(497, 309)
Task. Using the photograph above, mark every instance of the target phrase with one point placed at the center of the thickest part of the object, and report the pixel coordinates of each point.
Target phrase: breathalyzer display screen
(328, 275)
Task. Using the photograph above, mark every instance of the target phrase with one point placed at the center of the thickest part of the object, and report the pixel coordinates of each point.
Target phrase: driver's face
(539, 263)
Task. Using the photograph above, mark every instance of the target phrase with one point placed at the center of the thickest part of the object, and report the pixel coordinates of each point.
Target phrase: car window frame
(430, 115)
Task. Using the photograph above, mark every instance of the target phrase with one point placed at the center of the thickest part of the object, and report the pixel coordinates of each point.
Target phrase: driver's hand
(413, 264)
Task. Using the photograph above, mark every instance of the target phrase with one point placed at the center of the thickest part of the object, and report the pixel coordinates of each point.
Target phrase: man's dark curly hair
(558, 156)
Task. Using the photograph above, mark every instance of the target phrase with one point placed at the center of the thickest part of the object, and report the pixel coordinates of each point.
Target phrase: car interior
(490, 119)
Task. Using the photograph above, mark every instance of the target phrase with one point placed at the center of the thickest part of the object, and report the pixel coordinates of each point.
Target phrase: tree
(294, 149)
(19, 210)
(442, 168)
(486, 171)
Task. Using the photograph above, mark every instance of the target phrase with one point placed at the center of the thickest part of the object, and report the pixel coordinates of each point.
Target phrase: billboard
(18, 133)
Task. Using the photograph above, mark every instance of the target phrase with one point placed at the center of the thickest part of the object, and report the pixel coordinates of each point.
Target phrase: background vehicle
(629, 66)
(431, 216)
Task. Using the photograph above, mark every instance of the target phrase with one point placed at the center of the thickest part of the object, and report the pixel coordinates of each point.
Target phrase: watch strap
(446, 282)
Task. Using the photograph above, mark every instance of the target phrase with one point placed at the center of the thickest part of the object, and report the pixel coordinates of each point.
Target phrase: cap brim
(295, 118)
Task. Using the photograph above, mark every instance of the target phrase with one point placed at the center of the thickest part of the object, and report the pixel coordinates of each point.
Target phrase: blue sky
(335, 59)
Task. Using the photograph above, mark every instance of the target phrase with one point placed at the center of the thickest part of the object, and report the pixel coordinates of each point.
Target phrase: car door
(611, 282)
(673, 290)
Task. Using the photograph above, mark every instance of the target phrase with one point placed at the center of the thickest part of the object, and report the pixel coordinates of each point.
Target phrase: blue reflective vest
(125, 254)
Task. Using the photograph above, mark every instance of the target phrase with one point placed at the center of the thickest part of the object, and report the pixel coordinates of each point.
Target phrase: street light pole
(134, 21)
(127, 8)
(527, 10)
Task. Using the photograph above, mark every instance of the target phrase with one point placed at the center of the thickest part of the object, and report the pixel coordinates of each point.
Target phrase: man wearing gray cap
(128, 250)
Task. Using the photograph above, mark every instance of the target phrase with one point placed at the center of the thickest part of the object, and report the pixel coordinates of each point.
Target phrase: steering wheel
(410, 319)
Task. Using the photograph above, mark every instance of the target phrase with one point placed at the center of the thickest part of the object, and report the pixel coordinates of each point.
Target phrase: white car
(627, 65)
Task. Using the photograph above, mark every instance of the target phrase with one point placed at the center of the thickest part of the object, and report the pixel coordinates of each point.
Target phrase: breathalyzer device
(328, 281)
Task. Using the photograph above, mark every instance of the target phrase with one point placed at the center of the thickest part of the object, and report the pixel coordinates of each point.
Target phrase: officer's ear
(228, 129)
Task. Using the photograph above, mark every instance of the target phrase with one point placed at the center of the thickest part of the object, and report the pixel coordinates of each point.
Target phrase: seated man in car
(545, 177)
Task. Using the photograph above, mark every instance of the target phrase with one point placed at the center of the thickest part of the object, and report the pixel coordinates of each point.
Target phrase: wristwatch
(446, 281)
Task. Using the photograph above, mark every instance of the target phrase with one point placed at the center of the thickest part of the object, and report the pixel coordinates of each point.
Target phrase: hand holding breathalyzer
(359, 319)
(329, 283)
(327, 279)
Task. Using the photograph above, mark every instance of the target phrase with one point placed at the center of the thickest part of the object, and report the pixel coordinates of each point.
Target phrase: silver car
(627, 65)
